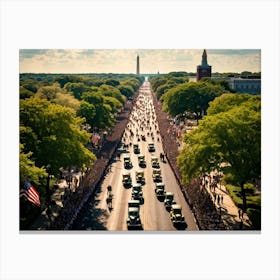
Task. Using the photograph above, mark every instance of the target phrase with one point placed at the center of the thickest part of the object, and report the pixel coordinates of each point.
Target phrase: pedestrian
(218, 199)
(239, 213)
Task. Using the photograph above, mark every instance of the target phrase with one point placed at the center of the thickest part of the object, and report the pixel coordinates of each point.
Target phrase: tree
(28, 169)
(114, 103)
(87, 111)
(67, 100)
(47, 92)
(25, 93)
(157, 82)
(111, 91)
(229, 140)
(220, 82)
(135, 83)
(227, 101)
(126, 90)
(29, 84)
(77, 89)
(171, 83)
(111, 82)
(191, 97)
(103, 117)
(53, 134)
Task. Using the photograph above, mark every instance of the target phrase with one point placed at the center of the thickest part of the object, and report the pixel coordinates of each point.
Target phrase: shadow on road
(181, 226)
(91, 219)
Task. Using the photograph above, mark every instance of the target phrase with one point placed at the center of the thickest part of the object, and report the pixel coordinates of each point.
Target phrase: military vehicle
(155, 162)
(136, 149)
(127, 162)
(160, 190)
(151, 147)
(176, 214)
(133, 220)
(140, 178)
(126, 179)
(136, 192)
(157, 175)
(169, 200)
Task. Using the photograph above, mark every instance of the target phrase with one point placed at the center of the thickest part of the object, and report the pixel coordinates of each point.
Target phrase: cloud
(124, 60)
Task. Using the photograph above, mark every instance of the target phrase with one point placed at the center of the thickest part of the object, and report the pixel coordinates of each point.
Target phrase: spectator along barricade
(198, 199)
(75, 201)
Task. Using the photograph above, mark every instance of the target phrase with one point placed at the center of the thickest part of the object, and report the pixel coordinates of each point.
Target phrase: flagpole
(48, 200)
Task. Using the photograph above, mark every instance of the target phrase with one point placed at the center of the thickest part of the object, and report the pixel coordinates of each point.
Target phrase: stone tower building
(203, 70)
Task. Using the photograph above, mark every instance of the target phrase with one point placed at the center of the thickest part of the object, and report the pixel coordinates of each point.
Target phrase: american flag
(30, 193)
(95, 138)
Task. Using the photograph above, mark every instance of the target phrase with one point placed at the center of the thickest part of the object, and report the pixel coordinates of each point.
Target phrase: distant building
(239, 85)
(203, 70)
(137, 66)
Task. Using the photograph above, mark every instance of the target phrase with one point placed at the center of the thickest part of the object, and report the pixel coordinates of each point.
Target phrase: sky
(124, 60)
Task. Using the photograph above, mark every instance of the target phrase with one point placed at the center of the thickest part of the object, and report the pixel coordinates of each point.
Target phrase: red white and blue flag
(95, 138)
(30, 193)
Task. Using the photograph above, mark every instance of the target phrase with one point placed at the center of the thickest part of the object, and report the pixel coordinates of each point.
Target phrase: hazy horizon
(123, 61)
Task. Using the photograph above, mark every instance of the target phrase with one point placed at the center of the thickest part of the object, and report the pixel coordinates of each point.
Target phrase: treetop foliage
(55, 131)
(190, 97)
(227, 139)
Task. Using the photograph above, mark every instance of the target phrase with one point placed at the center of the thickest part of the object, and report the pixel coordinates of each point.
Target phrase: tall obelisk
(137, 66)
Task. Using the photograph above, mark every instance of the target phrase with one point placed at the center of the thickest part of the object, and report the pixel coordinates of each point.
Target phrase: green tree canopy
(220, 82)
(114, 103)
(111, 91)
(132, 82)
(157, 82)
(190, 97)
(77, 89)
(67, 100)
(126, 90)
(227, 101)
(25, 93)
(48, 92)
(111, 82)
(103, 114)
(29, 84)
(55, 131)
(87, 111)
(171, 83)
(28, 169)
(229, 140)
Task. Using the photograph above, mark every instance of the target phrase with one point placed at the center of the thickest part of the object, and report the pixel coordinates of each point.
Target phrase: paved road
(154, 217)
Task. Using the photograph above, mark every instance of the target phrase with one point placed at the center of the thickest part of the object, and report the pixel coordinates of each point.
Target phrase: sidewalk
(229, 211)
(43, 221)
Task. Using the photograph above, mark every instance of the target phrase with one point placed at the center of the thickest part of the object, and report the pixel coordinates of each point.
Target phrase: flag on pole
(30, 193)
(95, 138)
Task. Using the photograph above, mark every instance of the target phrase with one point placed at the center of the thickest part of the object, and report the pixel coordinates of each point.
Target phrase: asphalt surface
(96, 215)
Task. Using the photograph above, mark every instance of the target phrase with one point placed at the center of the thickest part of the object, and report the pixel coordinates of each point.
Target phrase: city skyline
(124, 60)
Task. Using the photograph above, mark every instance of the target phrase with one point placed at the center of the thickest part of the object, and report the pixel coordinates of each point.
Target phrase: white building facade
(252, 86)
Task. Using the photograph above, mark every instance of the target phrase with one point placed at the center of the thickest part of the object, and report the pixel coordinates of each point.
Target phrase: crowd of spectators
(199, 200)
(74, 201)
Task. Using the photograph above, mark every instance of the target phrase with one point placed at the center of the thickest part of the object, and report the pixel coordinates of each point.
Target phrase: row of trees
(228, 139)
(55, 114)
(228, 135)
(179, 96)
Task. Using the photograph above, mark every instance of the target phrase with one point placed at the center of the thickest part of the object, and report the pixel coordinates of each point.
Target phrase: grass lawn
(253, 202)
